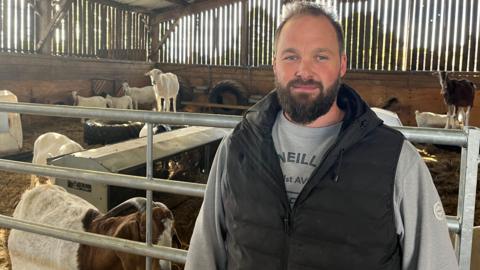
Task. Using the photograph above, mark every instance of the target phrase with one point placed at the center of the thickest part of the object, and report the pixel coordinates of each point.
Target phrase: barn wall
(414, 90)
(48, 79)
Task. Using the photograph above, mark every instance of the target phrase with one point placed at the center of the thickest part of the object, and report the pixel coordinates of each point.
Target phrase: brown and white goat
(458, 95)
(52, 205)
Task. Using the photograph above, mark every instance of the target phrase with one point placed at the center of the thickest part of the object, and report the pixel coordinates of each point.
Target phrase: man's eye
(290, 58)
(322, 57)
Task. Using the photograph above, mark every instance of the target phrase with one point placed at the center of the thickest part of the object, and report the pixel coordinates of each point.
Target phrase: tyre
(185, 93)
(228, 92)
(99, 132)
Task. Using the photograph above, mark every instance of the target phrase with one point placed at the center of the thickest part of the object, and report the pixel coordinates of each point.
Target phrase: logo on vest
(438, 211)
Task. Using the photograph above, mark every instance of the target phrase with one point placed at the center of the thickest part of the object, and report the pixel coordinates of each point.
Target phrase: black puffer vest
(342, 219)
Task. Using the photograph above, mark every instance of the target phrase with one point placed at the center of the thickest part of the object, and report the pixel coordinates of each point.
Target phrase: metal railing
(462, 224)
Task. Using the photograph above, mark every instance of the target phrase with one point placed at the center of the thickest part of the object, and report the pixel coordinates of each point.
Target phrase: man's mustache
(300, 83)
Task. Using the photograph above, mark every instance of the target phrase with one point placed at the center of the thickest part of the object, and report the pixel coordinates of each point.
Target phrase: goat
(432, 120)
(95, 101)
(388, 117)
(166, 86)
(457, 94)
(124, 102)
(143, 95)
(50, 145)
(52, 205)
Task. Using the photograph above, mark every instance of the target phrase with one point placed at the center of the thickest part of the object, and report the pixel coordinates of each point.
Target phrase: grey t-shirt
(301, 151)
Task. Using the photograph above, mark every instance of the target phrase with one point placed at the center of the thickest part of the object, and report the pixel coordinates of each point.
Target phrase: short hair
(303, 8)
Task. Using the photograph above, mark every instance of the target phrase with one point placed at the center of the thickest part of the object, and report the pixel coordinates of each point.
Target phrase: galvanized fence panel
(462, 224)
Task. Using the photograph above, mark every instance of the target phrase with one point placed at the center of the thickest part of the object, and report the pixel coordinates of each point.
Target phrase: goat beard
(301, 107)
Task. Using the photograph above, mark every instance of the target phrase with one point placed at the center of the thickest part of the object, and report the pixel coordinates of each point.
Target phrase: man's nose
(305, 71)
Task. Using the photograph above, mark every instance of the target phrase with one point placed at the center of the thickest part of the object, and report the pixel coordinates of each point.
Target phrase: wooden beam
(171, 28)
(179, 2)
(165, 14)
(244, 32)
(123, 6)
(47, 31)
(154, 34)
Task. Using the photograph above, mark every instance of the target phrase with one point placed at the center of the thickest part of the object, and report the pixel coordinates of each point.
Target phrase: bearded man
(311, 178)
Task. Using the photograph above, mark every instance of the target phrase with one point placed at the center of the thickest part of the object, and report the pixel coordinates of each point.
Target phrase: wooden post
(47, 26)
(154, 34)
(244, 34)
(45, 8)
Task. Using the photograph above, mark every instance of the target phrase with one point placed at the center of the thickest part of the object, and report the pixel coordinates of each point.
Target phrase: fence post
(466, 197)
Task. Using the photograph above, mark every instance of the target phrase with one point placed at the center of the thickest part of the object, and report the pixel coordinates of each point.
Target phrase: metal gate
(461, 224)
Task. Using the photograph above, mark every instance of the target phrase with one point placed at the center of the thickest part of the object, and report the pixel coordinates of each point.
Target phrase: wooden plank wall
(414, 90)
(48, 79)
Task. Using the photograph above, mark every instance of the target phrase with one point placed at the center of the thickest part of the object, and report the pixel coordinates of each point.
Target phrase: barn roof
(152, 4)
(167, 9)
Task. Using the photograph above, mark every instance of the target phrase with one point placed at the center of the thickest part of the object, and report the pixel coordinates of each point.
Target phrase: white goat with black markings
(49, 145)
(166, 86)
(142, 95)
(124, 102)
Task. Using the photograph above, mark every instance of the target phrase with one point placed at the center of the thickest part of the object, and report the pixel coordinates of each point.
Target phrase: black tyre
(98, 132)
(185, 93)
(228, 92)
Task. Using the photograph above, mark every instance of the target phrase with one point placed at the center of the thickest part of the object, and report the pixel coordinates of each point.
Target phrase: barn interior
(221, 51)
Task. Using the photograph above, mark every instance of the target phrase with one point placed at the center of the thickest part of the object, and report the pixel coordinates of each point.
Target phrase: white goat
(143, 95)
(388, 117)
(95, 101)
(166, 86)
(124, 102)
(433, 120)
(50, 145)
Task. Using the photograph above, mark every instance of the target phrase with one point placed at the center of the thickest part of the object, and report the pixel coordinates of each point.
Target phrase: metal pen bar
(170, 118)
(453, 223)
(420, 135)
(137, 182)
(177, 187)
(466, 197)
(97, 240)
(434, 135)
(149, 174)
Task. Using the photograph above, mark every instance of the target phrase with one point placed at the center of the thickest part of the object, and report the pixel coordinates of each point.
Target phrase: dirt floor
(443, 163)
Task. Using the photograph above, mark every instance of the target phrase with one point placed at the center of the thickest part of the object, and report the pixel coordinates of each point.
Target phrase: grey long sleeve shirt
(420, 220)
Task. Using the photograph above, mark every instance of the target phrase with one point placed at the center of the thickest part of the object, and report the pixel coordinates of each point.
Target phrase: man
(312, 179)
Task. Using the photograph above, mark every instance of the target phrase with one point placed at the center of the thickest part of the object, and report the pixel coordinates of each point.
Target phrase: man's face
(308, 68)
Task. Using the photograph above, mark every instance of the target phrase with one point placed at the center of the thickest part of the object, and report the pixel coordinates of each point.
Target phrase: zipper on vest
(338, 165)
(287, 223)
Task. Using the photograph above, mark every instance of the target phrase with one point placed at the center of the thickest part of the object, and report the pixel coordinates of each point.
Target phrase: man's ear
(274, 64)
(343, 64)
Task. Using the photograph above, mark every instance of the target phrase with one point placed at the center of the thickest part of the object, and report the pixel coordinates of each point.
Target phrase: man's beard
(302, 108)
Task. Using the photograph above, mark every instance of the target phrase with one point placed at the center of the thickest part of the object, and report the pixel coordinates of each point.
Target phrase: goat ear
(129, 229)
